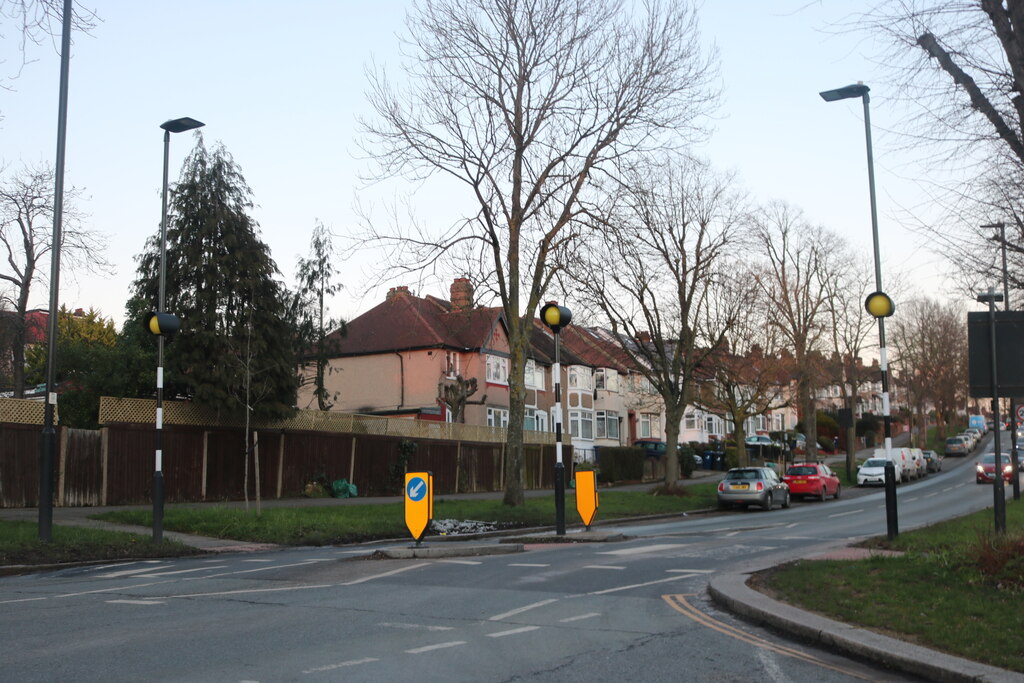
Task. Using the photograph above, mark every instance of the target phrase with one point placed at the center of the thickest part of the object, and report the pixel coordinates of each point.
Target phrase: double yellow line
(680, 604)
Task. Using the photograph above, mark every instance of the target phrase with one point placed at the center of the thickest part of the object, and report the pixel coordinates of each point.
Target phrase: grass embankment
(957, 588)
(324, 525)
(20, 544)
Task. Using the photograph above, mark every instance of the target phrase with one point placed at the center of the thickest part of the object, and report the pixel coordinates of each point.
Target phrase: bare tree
(796, 287)
(26, 215)
(658, 271)
(523, 103)
(930, 344)
(850, 326)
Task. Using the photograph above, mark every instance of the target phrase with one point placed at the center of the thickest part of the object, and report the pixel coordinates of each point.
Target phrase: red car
(985, 471)
(812, 479)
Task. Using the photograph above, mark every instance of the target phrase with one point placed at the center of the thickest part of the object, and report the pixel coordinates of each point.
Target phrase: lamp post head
(990, 297)
(181, 125)
(554, 316)
(845, 93)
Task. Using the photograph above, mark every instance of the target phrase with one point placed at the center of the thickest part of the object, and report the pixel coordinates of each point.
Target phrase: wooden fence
(114, 465)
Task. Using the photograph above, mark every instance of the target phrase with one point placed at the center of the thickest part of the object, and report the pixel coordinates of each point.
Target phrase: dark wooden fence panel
(309, 454)
(82, 477)
(19, 465)
(375, 456)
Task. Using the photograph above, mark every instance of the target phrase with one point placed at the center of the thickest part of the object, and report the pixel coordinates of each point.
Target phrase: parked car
(969, 438)
(905, 468)
(933, 461)
(812, 479)
(655, 449)
(920, 466)
(752, 486)
(872, 472)
(957, 445)
(977, 433)
(984, 472)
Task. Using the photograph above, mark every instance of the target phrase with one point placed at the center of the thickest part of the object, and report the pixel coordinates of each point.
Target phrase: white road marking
(948, 488)
(689, 571)
(126, 572)
(520, 610)
(590, 615)
(470, 562)
(512, 632)
(931, 494)
(340, 665)
(910, 500)
(644, 549)
(425, 627)
(384, 574)
(771, 666)
(641, 585)
(257, 569)
(844, 514)
(733, 533)
(136, 602)
(602, 566)
(526, 564)
(790, 526)
(8, 602)
(264, 560)
(154, 575)
(439, 646)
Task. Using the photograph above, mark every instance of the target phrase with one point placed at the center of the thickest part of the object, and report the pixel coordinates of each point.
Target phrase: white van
(901, 460)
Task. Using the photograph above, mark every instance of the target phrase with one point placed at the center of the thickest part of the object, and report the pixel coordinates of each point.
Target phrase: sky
(282, 85)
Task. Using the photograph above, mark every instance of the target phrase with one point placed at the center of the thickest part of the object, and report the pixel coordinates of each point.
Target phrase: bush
(624, 463)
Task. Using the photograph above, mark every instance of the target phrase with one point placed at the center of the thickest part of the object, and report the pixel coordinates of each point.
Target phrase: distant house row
(419, 357)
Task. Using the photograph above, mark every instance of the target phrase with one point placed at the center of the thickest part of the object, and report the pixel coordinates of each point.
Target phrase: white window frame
(649, 426)
(497, 417)
(534, 375)
(451, 363)
(581, 424)
(497, 370)
(690, 420)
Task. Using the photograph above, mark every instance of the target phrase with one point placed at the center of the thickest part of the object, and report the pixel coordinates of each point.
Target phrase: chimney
(462, 294)
(394, 291)
(644, 337)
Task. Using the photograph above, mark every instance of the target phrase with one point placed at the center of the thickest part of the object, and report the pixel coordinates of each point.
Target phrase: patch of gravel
(456, 527)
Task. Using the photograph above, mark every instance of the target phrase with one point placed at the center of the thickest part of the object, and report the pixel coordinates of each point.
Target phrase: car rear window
(953, 441)
(802, 471)
(743, 474)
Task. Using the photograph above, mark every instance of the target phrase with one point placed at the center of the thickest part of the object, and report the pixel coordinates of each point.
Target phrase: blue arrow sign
(416, 489)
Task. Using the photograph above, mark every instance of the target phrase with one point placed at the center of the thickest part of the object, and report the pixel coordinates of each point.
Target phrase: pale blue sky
(281, 85)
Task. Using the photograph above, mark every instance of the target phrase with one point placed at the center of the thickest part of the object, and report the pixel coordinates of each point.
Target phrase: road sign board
(419, 503)
(586, 495)
(1020, 413)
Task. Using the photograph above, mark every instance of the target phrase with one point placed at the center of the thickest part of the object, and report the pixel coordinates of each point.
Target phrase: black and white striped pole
(556, 317)
(161, 324)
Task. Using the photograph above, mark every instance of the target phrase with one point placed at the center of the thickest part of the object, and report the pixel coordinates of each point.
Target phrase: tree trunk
(516, 414)
(672, 447)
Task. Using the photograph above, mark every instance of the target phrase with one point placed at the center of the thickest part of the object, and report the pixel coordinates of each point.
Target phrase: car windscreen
(874, 462)
(746, 475)
(801, 471)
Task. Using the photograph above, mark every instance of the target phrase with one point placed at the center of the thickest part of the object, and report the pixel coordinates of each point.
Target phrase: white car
(872, 472)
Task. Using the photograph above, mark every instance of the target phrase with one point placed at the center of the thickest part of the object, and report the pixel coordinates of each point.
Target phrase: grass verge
(957, 588)
(20, 545)
(358, 523)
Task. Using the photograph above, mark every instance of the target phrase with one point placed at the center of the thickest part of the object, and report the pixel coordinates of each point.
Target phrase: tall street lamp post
(878, 303)
(173, 126)
(556, 317)
(998, 491)
(1013, 403)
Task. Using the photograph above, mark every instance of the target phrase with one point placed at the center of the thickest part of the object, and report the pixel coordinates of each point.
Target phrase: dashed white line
(340, 665)
(136, 602)
(439, 646)
(154, 575)
(644, 549)
(425, 627)
(602, 566)
(844, 514)
(512, 632)
(258, 560)
(520, 610)
(790, 526)
(578, 617)
(526, 564)
(931, 494)
(733, 533)
(470, 562)
(125, 572)
(689, 571)
(910, 500)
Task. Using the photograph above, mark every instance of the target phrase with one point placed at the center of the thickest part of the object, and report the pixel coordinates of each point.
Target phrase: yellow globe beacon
(879, 305)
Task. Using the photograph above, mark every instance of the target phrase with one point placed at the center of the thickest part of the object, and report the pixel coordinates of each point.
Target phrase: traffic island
(442, 551)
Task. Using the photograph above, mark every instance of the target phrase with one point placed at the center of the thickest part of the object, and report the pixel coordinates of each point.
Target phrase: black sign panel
(1009, 353)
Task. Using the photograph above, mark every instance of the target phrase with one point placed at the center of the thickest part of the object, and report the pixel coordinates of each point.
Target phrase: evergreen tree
(236, 347)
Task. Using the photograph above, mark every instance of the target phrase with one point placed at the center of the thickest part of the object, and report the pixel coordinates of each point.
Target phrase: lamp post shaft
(998, 491)
(559, 465)
(1014, 464)
(158, 467)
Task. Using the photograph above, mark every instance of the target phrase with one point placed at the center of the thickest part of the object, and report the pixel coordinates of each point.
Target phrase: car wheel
(768, 502)
(824, 493)
(785, 501)
(839, 492)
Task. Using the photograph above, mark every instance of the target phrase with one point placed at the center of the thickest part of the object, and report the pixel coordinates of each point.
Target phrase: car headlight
(1008, 469)
(980, 469)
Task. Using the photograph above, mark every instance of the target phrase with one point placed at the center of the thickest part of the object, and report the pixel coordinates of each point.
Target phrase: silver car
(745, 486)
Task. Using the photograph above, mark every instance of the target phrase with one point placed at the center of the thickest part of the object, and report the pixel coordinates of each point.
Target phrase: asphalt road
(631, 610)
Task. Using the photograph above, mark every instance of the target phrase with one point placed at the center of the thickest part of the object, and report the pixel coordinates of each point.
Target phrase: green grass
(20, 545)
(957, 588)
(325, 525)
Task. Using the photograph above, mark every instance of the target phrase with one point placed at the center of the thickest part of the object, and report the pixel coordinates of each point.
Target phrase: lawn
(20, 545)
(957, 588)
(348, 523)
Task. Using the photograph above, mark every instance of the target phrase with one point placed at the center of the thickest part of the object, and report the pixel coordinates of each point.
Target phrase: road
(631, 610)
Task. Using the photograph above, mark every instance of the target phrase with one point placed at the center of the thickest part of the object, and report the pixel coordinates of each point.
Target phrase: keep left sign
(419, 503)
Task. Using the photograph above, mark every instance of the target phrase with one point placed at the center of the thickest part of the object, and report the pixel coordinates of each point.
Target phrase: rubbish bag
(342, 489)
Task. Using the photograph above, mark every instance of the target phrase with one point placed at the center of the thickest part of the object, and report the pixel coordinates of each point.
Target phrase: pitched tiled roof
(404, 321)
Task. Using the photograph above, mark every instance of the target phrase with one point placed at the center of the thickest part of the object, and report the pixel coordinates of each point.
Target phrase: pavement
(730, 590)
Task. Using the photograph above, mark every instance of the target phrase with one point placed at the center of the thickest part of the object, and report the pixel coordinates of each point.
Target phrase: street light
(556, 317)
(173, 126)
(1013, 402)
(998, 494)
(878, 304)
